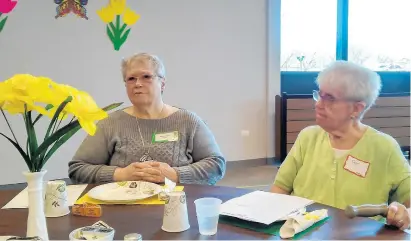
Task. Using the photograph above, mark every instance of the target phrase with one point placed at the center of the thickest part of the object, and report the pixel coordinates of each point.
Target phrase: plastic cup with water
(208, 211)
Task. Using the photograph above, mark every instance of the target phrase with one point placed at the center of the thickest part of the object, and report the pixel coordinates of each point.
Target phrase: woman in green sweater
(342, 161)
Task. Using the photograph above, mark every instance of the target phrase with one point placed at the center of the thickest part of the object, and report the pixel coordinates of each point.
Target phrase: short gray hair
(145, 57)
(356, 82)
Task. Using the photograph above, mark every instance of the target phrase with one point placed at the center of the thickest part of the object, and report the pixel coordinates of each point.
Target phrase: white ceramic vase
(36, 221)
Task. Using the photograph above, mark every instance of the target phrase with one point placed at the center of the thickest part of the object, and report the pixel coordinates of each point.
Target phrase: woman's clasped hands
(150, 171)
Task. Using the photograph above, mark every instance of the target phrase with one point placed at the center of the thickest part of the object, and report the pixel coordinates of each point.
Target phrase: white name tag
(357, 167)
(165, 137)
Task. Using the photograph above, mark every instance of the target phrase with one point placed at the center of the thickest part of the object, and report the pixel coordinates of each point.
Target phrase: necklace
(146, 156)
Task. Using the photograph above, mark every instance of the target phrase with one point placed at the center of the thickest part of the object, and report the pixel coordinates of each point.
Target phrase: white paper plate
(124, 191)
(297, 212)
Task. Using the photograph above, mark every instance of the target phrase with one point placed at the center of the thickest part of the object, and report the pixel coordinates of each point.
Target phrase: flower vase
(36, 221)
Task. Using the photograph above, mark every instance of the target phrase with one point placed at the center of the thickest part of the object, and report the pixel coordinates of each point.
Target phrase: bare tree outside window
(307, 40)
(380, 40)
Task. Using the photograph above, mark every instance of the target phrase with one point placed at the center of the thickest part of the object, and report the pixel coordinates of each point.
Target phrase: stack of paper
(263, 207)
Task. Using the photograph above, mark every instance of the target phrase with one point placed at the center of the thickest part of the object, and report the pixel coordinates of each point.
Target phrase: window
(373, 33)
(307, 40)
(378, 36)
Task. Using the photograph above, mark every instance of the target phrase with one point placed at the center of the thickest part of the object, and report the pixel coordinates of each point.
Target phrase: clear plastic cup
(208, 212)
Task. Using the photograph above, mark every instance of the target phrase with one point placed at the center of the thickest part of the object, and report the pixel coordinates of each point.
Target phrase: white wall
(216, 55)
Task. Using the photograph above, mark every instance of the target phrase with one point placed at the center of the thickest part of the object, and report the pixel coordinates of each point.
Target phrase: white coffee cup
(55, 204)
(175, 217)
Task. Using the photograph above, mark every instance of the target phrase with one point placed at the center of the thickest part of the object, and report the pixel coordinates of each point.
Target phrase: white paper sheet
(263, 207)
(21, 199)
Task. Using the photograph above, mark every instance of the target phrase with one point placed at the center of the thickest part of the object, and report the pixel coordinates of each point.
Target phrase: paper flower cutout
(75, 6)
(111, 15)
(6, 6)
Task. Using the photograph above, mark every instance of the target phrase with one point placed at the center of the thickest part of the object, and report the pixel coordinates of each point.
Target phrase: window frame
(303, 82)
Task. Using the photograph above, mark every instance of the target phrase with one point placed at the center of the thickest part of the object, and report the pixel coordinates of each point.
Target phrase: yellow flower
(130, 17)
(34, 93)
(87, 111)
(106, 14)
(118, 6)
(25, 90)
(82, 106)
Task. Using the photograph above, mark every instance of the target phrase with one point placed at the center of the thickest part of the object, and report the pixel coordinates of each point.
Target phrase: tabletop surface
(147, 220)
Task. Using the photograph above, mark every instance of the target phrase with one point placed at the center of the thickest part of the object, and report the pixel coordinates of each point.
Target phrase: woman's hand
(398, 216)
(139, 171)
(165, 169)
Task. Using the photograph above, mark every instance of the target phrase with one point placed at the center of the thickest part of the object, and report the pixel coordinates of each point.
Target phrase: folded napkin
(301, 222)
(148, 201)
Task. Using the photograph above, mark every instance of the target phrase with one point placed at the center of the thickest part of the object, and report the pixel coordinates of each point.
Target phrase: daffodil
(82, 106)
(130, 17)
(86, 110)
(25, 92)
(118, 6)
(106, 14)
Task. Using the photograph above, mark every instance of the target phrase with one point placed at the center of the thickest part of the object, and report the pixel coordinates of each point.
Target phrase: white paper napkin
(169, 185)
(301, 222)
(21, 199)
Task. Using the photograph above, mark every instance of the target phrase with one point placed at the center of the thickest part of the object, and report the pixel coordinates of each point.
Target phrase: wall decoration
(75, 6)
(6, 6)
(111, 15)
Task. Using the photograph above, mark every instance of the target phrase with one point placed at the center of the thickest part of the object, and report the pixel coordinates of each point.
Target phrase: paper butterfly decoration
(75, 6)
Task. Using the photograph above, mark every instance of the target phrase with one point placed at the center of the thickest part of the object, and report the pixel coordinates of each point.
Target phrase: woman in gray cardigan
(149, 140)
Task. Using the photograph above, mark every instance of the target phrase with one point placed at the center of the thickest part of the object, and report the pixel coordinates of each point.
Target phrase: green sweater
(374, 172)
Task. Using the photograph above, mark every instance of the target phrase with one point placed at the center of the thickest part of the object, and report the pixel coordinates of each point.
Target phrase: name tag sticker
(165, 137)
(356, 166)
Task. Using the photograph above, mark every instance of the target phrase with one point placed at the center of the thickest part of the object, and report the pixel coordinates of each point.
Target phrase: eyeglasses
(317, 96)
(329, 99)
(146, 78)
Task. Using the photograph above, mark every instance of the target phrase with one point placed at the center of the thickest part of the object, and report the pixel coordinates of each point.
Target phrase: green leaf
(31, 134)
(112, 106)
(55, 136)
(22, 153)
(60, 142)
(110, 34)
(58, 111)
(38, 155)
(125, 35)
(122, 28)
(112, 27)
(48, 107)
(27, 131)
(2, 23)
(69, 130)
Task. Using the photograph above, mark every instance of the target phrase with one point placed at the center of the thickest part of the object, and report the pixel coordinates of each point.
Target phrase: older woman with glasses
(341, 161)
(149, 140)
